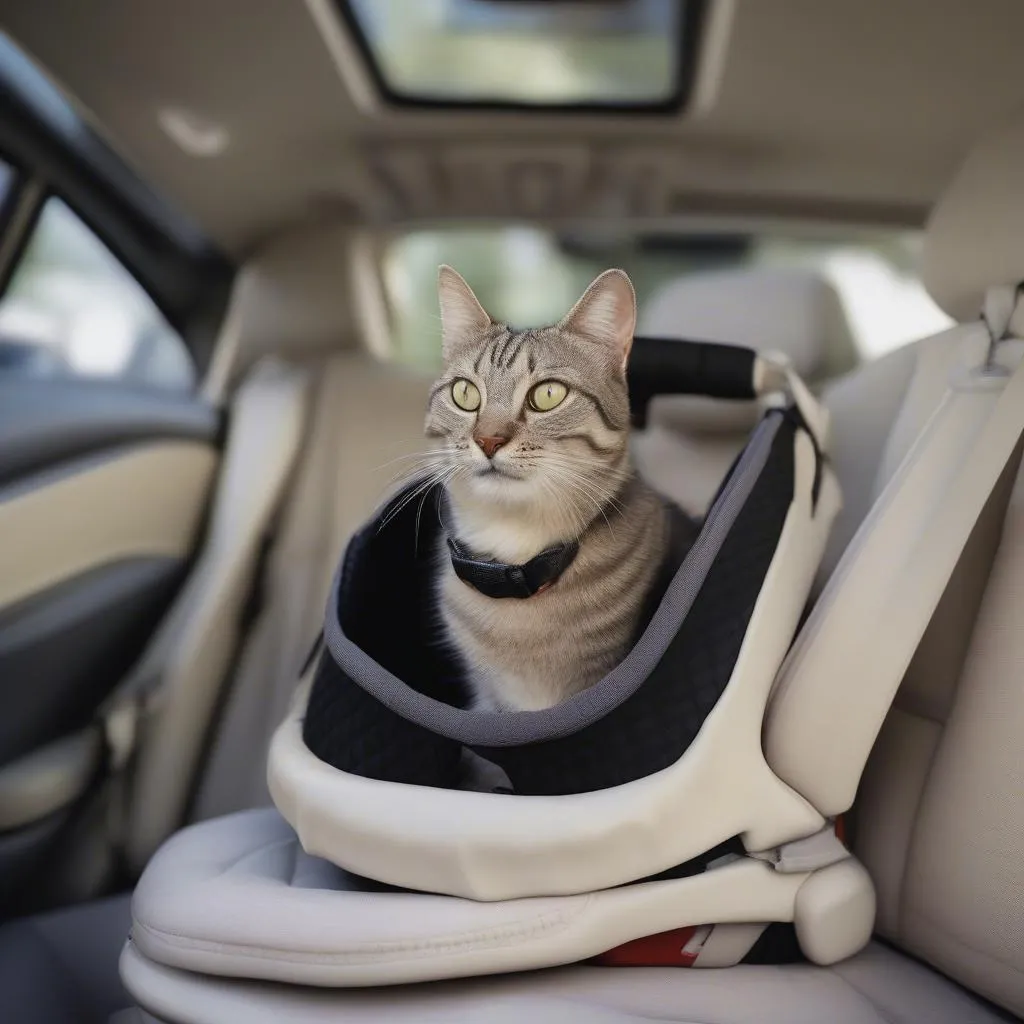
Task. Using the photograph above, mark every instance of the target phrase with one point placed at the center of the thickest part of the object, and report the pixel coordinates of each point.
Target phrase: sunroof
(562, 54)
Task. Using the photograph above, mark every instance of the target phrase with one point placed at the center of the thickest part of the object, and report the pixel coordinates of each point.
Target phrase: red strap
(677, 948)
(668, 949)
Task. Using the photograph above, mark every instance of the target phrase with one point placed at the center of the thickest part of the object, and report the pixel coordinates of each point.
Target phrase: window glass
(557, 53)
(529, 276)
(6, 179)
(73, 309)
(17, 69)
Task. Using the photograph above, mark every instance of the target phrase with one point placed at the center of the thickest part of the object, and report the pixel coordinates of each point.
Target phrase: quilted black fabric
(348, 728)
(387, 608)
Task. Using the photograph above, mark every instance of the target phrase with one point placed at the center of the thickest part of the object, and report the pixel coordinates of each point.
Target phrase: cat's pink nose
(489, 445)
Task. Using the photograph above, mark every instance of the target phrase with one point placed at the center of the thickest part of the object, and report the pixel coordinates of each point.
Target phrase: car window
(6, 177)
(72, 308)
(531, 276)
(630, 54)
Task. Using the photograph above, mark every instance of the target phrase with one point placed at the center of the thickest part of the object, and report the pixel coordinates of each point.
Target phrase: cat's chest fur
(532, 653)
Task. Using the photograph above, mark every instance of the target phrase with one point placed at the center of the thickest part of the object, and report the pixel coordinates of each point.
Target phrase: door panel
(64, 650)
(49, 779)
(46, 422)
(92, 552)
(103, 498)
(111, 302)
(141, 501)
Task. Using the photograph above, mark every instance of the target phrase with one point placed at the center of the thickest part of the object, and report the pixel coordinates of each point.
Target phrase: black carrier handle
(674, 366)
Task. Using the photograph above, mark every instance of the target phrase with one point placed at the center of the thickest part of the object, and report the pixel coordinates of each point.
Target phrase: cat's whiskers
(421, 461)
(431, 480)
(580, 483)
(577, 490)
(574, 476)
(415, 456)
(449, 476)
(580, 517)
(599, 505)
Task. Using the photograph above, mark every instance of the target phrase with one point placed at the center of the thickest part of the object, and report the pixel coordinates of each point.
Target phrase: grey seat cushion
(879, 986)
(61, 967)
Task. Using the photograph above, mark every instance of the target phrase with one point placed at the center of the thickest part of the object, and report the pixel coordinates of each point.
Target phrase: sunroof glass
(537, 53)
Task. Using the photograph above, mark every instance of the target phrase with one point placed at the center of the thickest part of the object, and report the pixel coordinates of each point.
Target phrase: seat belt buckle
(811, 853)
(121, 731)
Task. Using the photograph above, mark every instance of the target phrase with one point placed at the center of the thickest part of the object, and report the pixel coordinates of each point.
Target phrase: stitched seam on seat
(901, 905)
(228, 866)
(631, 1015)
(388, 951)
(864, 997)
(293, 867)
(911, 712)
(69, 975)
(940, 927)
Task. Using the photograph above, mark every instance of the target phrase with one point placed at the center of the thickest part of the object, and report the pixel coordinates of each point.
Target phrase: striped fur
(563, 474)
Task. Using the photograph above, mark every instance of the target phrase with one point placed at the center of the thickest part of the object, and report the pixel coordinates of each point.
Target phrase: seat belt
(167, 699)
(841, 676)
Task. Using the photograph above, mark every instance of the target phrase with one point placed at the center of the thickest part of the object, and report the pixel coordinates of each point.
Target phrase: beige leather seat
(940, 817)
(360, 421)
(941, 806)
(365, 427)
(690, 442)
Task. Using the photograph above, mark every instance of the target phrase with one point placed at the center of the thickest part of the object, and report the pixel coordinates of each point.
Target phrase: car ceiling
(848, 110)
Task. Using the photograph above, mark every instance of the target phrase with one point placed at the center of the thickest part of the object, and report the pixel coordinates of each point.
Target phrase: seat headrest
(782, 309)
(975, 235)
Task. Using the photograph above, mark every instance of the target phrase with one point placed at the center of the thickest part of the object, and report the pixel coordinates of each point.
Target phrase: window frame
(9, 202)
(186, 276)
(688, 42)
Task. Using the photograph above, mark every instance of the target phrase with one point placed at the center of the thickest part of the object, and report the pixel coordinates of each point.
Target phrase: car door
(108, 456)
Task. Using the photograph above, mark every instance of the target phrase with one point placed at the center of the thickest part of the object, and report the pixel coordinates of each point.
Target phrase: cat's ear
(606, 314)
(462, 316)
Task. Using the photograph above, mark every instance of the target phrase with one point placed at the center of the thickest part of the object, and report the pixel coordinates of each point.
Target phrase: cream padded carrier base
(238, 897)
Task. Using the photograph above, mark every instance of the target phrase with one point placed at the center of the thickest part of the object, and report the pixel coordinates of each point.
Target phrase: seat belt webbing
(180, 673)
(854, 649)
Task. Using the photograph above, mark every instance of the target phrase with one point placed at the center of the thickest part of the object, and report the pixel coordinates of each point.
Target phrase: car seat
(690, 442)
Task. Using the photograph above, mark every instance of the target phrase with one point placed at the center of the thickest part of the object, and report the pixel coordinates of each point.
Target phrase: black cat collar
(499, 579)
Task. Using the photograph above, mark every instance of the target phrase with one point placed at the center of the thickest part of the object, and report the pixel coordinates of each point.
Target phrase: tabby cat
(535, 461)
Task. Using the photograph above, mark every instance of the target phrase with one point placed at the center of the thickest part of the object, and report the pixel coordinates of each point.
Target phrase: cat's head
(539, 415)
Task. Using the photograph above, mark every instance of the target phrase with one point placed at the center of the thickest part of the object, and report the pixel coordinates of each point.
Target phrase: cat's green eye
(548, 395)
(466, 395)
